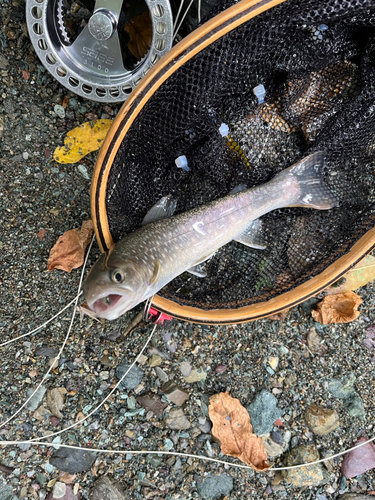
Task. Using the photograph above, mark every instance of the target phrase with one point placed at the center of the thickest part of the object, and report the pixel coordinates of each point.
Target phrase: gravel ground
(39, 201)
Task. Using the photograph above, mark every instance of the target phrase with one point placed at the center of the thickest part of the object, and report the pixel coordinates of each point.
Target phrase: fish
(166, 245)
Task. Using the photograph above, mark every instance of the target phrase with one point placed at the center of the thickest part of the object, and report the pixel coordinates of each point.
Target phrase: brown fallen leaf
(139, 30)
(362, 273)
(232, 427)
(339, 308)
(152, 402)
(69, 251)
(41, 234)
(280, 316)
(55, 400)
(67, 478)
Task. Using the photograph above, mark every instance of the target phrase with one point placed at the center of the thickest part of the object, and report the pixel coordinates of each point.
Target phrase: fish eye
(117, 275)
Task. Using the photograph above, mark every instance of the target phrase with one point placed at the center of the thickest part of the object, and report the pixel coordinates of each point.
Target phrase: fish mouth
(110, 306)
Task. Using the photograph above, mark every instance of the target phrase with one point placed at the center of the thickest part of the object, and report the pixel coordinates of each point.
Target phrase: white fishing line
(104, 400)
(44, 324)
(75, 301)
(182, 20)
(184, 455)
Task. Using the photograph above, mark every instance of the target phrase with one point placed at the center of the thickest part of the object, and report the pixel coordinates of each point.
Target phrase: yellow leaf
(82, 140)
(362, 273)
(232, 427)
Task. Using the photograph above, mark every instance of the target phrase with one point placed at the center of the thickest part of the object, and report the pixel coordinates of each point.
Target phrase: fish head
(114, 286)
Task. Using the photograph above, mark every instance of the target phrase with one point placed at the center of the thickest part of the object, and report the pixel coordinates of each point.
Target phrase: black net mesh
(316, 61)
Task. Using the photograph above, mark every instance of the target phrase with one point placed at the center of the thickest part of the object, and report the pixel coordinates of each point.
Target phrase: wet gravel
(39, 200)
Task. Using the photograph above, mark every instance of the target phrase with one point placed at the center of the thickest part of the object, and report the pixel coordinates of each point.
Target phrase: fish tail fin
(314, 192)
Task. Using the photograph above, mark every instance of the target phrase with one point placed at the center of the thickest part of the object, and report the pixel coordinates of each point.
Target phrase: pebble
(152, 402)
(42, 413)
(160, 373)
(62, 491)
(59, 110)
(344, 389)
(272, 448)
(358, 461)
(312, 475)
(4, 63)
(221, 369)
(321, 420)
(175, 393)
(35, 401)
(72, 461)
(213, 487)
(273, 361)
(108, 487)
(263, 412)
(25, 155)
(155, 360)
(177, 420)
(185, 368)
(314, 343)
(132, 379)
(196, 376)
(6, 493)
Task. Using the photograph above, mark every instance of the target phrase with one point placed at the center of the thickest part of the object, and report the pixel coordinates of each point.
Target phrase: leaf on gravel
(82, 140)
(339, 308)
(55, 400)
(69, 251)
(139, 30)
(362, 273)
(152, 402)
(232, 427)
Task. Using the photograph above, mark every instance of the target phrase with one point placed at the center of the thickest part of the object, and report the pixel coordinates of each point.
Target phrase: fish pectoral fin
(156, 273)
(163, 209)
(253, 236)
(198, 270)
(238, 189)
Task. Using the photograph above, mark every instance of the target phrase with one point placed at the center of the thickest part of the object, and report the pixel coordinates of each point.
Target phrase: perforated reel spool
(92, 61)
(316, 62)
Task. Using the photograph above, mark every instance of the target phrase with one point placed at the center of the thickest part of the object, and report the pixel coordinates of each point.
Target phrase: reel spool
(87, 50)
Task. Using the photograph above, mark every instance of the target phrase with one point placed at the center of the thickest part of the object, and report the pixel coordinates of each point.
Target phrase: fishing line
(176, 453)
(75, 301)
(44, 324)
(182, 20)
(105, 399)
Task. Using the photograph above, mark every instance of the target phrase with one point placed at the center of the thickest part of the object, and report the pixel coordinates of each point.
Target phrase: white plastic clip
(181, 162)
(259, 92)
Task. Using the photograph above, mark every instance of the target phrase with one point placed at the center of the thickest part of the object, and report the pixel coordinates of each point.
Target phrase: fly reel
(100, 49)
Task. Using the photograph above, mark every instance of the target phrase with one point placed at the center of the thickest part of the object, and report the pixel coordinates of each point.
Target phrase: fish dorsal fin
(237, 189)
(163, 209)
(252, 236)
(156, 273)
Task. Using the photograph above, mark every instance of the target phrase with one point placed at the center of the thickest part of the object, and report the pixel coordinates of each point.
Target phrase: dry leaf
(55, 400)
(82, 140)
(139, 30)
(280, 316)
(362, 273)
(67, 478)
(41, 234)
(69, 251)
(232, 427)
(339, 308)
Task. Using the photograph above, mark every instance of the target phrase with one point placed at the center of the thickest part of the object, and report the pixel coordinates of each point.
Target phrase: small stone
(154, 460)
(214, 487)
(142, 360)
(108, 487)
(59, 490)
(360, 460)
(185, 368)
(6, 492)
(155, 360)
(4, 63)
(342, 388)
(11, 35)
(104, 375)
(62, 491)
(221, 369)
(161, 374)
(130, 433)
(132, 379)
(314, 343)
(152, 402)
(41, 413)
(59, 110)
(175, 393)
(321, 420)
(273, 361)
(71, 460)
(272, 448)
(263, 412)
(35, 401)
(313, 475)
(177, 420)
(354, 406)
(290, 380)
(25, 155)
(196, 376)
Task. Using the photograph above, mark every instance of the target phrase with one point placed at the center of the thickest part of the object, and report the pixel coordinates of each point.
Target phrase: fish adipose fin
(253, 236)
(238, 189)
(163, 209)
(314, 193)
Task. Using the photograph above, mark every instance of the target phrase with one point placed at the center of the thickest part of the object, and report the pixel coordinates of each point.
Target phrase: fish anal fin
(199, 269)
(163, 209)
(252, 236)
